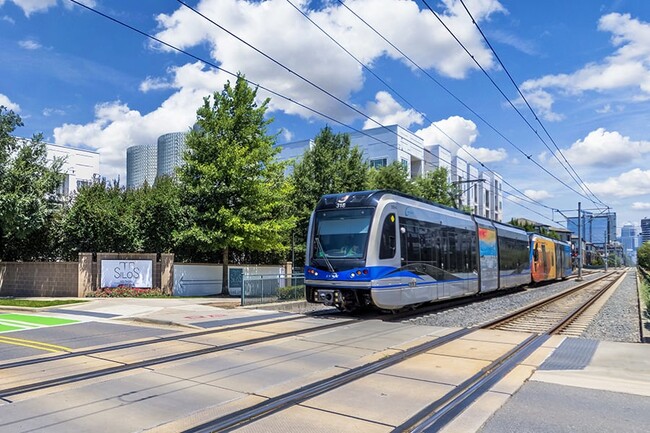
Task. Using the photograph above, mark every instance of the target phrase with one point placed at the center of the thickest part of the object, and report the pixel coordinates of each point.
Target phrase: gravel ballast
(617, 321)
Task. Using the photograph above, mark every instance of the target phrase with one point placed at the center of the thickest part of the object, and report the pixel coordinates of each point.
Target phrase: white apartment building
(482, 192)
(81, 167)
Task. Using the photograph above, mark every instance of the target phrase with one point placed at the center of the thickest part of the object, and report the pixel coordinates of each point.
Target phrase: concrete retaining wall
(39, 279)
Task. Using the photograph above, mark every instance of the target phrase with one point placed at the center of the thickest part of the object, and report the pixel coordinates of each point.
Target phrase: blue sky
(583, 66)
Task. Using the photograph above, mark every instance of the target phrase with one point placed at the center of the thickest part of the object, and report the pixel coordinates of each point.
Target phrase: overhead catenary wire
(171, 46)
(529, 157)
(363, 65)
(580, 182)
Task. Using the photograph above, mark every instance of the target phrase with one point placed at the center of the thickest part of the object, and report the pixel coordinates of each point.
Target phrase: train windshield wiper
(322, 251)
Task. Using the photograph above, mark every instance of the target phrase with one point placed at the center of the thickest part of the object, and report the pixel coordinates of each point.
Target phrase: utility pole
(459, 194)
(579, 242)
(606, 237)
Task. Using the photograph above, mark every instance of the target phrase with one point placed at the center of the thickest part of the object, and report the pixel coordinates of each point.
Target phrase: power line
(254, 83)
(424, 149)
(529, 157)
(582, 183)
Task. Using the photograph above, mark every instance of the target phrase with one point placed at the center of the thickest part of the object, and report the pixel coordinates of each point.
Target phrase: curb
(286, 306)
(158, 322)
(24, 309)
(644, 323)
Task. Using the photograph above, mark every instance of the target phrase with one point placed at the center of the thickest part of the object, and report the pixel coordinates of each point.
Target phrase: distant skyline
(583, 66)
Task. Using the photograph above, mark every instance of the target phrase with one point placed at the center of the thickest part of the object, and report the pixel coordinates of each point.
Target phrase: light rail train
(389, 250)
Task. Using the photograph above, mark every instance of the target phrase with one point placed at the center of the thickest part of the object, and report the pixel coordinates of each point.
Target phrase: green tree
(98, 219)
(643, 255)
(394, 176)
(28, 199)
(331, 165)
(433, 186)
(232, 184)
(158, 215)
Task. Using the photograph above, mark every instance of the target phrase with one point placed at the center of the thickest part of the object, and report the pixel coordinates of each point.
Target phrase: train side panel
(488, 255)
(542, 258)
(514, 264)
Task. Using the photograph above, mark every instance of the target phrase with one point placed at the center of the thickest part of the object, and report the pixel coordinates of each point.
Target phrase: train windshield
(341, 233)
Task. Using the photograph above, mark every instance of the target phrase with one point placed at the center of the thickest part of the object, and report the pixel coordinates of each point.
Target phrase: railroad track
(428, 419)
(556, 314)
(437, 414)
(21, 377)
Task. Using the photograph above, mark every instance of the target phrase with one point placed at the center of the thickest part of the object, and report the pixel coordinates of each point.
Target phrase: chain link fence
(269, 288)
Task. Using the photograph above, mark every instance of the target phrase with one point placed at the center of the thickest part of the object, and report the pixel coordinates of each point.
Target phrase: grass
(36, 304)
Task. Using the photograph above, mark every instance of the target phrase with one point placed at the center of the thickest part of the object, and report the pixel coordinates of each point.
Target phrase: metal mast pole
(579, 243)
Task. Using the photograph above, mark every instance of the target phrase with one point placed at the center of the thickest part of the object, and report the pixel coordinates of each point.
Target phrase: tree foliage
(232, 184)
(98, 219)
(394, 176)
(433, 186)
(331, 165)
(643, 255)
(158, 215)
(28, 199)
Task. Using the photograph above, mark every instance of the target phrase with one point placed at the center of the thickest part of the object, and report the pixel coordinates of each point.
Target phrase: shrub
(128, 292)
(291, 293)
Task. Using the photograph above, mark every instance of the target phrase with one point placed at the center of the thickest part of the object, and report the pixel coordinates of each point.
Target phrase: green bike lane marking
(17, 322)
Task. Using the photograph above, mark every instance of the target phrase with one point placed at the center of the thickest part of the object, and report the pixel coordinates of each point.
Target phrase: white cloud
(31, 6)
(53, 111)
(7, 18)
(537, 195)
(153, 83)
(457, 134)
(605, 149)
(29, 44)
(297, 44)
(638, 205)
(482, 154)
(307, 51)
(286, 135)
(607, 108)
(635, 182)
(627, 68)
(386, 111)
(116, 126)
(6, 102)
(451, 133)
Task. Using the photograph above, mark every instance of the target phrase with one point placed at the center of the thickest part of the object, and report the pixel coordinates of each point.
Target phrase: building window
(405, 163)
(378, 163)
(487, 198)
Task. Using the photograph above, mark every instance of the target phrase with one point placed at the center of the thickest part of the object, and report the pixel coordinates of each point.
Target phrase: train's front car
(337, 249)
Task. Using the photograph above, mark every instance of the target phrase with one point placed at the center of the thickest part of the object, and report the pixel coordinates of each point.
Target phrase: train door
(488, 255)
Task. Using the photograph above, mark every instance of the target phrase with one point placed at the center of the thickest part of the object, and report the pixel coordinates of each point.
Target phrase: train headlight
(365, 272)
(352, 275)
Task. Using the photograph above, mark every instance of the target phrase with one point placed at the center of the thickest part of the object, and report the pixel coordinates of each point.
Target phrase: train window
(388, 244)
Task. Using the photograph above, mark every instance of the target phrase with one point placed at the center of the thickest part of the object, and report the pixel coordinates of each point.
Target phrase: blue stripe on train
(373, 273)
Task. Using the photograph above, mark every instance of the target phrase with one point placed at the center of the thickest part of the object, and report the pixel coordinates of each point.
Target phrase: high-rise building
(629, 238)
(480, 191)
(147, 161)
(597, 229)
(141, 162)
(645, 229)
(170, 153)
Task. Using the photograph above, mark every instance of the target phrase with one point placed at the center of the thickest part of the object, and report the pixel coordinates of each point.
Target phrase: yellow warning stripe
(34, 344)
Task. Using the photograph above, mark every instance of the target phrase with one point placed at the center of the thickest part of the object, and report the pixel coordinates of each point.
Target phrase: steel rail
(439, 413)
(248, 415)
(543, 302)
(445, 408)
(153, 340)
(8, 392)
